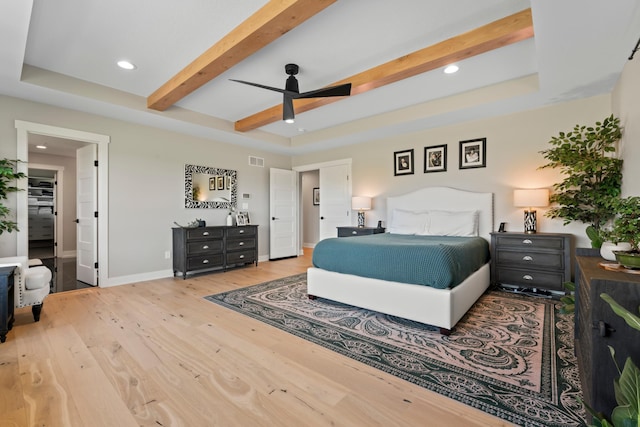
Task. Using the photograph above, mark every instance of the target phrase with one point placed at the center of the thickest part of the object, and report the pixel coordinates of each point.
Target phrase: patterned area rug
(511, 356)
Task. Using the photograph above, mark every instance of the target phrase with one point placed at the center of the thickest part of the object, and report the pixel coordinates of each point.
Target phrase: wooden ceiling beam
(273, 20)
(497, 34)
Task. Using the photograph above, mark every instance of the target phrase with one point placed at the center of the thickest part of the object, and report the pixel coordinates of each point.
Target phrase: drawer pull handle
(206, 261)
(527, 242)
(527, 277)
(241, 231)
(205, 233)
(241, 244)
(241, 256)
(205, 247)
(527, 258)
(354, 232)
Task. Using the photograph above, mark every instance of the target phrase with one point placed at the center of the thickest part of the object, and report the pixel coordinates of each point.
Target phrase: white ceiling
(64, 52)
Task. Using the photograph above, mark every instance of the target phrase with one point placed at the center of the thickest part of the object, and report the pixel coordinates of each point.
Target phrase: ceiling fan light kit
(292, 91)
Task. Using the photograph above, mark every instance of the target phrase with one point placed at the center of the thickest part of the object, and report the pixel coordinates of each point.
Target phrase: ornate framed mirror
(210, 188)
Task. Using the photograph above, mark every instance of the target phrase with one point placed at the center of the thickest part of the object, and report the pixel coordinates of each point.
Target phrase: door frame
(23, 129)
(312, 167)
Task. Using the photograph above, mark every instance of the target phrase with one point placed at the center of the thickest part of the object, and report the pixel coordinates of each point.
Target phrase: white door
(283, 213)
(335, 203)
(87, 210)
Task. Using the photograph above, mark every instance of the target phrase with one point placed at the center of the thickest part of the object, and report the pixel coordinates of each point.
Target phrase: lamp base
(530, 222)
(360, 219)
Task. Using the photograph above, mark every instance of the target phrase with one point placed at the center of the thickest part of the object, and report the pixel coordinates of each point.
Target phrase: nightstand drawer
(358, 231)
(530, 278)
(530, 241)
(546, 260)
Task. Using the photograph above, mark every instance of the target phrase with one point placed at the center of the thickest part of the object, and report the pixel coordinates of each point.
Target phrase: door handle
(273, 218)
(321, 217)
(77, 221)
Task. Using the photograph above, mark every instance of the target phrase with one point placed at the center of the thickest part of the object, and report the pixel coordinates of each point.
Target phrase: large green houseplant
(593, 175)
(626, 228)
(8, 178)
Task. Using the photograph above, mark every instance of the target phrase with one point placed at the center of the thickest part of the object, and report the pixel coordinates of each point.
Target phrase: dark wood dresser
(540, 260)
(7, 302)
(202, 249)
(598, 327)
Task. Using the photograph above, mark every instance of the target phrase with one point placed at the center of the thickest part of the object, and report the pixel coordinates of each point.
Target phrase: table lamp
(530, 198)
(360, 204)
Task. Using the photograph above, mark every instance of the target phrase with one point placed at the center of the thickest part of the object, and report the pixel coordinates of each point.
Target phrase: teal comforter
(437, 261)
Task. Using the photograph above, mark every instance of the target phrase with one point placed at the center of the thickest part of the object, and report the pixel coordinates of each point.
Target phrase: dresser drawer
(204, 233)
(546, 260)
(241, 257)
(530, 278)
(241, 231)
(533, 241)
(205, 247)
(235, 244)
(205, 261)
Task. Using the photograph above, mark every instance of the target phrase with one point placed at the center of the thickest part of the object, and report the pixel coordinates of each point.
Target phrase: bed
(440, 307)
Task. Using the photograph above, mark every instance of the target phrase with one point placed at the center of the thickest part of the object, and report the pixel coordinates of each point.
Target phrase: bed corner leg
(311, 296)
(444, 331)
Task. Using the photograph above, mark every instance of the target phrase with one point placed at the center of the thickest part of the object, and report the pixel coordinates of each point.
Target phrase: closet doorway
(69, 141)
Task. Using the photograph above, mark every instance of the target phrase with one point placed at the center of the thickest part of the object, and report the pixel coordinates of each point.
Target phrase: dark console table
(598, 327)
(6, 301)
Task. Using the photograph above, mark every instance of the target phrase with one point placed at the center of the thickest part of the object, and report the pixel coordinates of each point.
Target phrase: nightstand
(358, 231)
(537, 261)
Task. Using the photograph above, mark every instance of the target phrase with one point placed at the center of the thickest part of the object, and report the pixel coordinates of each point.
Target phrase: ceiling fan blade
(340, 90)
(276, 89)
(287, 109)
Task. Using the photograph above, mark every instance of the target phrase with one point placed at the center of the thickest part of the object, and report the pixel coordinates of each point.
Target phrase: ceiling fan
(291, 91)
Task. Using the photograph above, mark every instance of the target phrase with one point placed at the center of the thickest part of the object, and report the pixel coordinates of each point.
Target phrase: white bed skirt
(438, 307)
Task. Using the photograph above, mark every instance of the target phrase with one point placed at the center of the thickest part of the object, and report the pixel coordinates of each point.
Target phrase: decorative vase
(229, 219)
(607, 249)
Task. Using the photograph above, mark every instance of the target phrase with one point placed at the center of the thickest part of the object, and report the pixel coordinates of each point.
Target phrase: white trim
(317, 166)
(22, 148)
(135, 278)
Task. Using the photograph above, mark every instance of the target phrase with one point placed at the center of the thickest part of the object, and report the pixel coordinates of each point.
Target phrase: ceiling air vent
(256, 161)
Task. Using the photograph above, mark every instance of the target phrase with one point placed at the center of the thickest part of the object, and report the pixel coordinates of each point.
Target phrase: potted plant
(8, 176)
(626, 228)
(593, 176)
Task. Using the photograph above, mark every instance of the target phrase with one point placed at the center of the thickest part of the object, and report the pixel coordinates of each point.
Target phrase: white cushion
(407, 222)
(37, 277)
(450, 223)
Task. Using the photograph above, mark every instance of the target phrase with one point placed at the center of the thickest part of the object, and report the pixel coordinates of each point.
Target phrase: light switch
(245, 206)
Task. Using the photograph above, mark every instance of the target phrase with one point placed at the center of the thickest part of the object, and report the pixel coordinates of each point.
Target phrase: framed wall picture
(316, 196)
(473, 153)
(435, 158)
(403, 162)
(212, 183)
(220, 185)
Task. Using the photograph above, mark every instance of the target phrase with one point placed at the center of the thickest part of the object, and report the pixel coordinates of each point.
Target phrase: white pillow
(407, 222)
(449, 223)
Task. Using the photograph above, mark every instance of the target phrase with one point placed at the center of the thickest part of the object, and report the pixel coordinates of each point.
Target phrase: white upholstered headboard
(447, 199)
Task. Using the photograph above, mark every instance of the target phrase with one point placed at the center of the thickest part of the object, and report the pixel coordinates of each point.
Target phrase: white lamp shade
(530, 198)
(359, 203)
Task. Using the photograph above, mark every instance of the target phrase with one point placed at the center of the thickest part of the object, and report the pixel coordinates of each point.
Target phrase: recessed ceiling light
(451, 69)
(42, 147)
(126, 65)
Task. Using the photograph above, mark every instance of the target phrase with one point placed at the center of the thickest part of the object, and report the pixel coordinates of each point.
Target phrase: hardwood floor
(157, 354)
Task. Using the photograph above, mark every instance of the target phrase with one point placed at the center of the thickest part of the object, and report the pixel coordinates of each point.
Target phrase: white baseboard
(309, 245)
(134, 278)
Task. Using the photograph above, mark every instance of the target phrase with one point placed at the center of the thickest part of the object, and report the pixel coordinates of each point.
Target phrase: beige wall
(626, 105)
(146, 182)
(513, 146)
